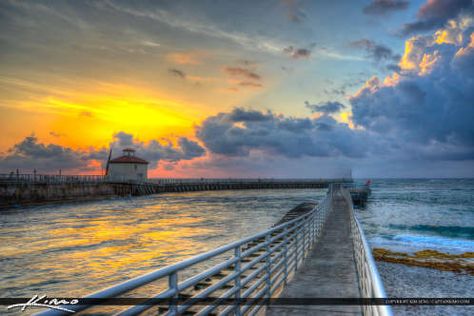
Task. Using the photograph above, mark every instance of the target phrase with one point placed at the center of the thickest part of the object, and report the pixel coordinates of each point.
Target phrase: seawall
(20, 193)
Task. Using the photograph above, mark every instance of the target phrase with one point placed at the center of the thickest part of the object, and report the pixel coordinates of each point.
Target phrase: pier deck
(329, 271)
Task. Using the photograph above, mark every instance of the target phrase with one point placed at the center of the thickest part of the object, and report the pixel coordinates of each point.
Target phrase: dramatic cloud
(430, 102)
(297, 53)
(178, 73)
(154, 151)
(381, 7)
(243, 115)
(423, 112)
(435, 13)
(190, 149)
(325, 107)
(378, 52)
(30, 154)
(240, 132)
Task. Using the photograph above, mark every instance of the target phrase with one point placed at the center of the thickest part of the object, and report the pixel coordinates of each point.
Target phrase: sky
(288, 88)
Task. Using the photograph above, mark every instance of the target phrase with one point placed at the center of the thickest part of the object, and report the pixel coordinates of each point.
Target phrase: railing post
(313, 226)
(310, 233)
(286, 253)
(238, 285)
(296, 248)
(305, 235)
(173, 285)
(268, 266)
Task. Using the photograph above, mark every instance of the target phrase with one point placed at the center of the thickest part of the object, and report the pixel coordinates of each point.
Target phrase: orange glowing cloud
(411, 54)
(415, 59)
(452, 33)
(391, 80)
(422, 52)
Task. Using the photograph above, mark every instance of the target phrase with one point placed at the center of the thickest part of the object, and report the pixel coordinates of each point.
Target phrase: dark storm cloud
(279, 135)
(435, 13)
(154, 151)
(123, 139)
(243, 115)
(378, 52)
(178, 73)
(424, 114)
(434, 107)
(190, 149)
(29, 147)
(381, 7)
(325, 107)
(297, 53)
(31, 154)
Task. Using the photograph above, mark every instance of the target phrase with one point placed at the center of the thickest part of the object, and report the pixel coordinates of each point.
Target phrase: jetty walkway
(329, 271)
(317, 251)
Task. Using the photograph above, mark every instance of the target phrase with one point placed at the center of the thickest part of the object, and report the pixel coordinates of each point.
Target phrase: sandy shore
(408, 281)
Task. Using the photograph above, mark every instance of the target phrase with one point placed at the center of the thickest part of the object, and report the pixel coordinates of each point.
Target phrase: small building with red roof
(127, 167)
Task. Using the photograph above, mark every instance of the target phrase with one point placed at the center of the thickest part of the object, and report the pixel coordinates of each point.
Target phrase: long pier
(191, 185)
(316, 251)
(25, 189)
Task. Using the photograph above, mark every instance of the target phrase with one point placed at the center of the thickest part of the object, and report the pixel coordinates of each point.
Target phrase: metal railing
(61, 179)
(27, 178)
(250, 269)
(370, 282)
(242, 180)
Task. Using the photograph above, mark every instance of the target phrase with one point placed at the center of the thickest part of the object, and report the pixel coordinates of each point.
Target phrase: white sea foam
(411, 243)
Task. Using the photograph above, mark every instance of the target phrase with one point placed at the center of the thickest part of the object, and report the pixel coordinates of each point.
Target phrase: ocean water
(412, 215)
(76, 249)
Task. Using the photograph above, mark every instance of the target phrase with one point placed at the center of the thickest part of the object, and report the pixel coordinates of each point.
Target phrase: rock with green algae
(429, 258)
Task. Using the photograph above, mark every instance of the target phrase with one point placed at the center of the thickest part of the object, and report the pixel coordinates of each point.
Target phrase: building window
(135, 167)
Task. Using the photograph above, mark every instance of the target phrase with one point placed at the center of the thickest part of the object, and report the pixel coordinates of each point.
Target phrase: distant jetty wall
(29, 190)
(33, 194)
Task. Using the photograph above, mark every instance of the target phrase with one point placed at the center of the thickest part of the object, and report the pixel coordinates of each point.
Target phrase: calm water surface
(75, 249)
